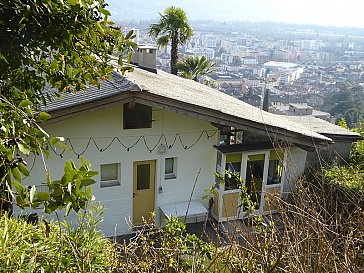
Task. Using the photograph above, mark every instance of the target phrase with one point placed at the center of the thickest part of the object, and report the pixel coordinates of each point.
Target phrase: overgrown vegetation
(47, 48)
(53, 247)
(318, 229)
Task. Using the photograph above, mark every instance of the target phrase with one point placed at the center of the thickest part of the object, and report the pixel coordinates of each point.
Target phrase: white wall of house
(295, 166)
(104, 124)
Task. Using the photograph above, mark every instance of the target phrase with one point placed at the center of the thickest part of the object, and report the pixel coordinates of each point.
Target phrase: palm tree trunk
(174, 54)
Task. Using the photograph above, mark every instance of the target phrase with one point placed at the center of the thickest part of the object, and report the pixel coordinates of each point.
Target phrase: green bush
(347, 177)
(52, 247)
(357, 155)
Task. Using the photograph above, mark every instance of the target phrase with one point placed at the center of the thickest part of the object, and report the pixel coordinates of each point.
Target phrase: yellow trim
(256, 157)
(143, 200)
(230, 205)
(276, 154)
(233, 158)
(270, 201)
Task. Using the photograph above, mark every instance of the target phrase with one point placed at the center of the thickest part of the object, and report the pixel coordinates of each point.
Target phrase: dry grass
(322, 231)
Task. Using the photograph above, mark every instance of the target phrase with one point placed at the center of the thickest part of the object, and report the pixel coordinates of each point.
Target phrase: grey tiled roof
(188, 91)
(108, 88)
(169, 86)
(321, 126)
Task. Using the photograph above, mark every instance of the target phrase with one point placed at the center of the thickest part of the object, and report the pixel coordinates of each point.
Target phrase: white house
(209, 53)
(157, 139)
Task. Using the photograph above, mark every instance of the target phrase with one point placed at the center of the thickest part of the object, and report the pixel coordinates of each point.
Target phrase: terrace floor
(211, 230)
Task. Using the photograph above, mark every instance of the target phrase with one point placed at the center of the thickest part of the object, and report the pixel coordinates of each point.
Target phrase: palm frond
(173, 20)
(195, 67)
(163, 40)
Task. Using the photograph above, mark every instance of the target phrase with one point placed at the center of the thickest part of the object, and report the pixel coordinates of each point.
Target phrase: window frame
(132, 112)
(173, 174)
(114, 182)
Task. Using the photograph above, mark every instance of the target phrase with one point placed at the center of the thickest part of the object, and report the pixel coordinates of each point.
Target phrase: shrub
(323, 227)
(169, 249)
(357, 155)
(349, 178)
(52, 247)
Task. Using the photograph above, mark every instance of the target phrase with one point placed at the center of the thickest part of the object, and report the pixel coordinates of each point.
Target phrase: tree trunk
(174, 54)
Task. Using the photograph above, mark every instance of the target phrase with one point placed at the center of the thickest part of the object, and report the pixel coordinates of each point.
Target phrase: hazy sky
(322, 12)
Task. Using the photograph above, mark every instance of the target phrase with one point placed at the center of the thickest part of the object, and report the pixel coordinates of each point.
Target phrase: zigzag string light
(162, 139)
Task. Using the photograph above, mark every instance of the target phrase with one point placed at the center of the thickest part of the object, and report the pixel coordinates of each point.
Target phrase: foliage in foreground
(350, 178)
(319, 229)
(52, 247)
(47, 48)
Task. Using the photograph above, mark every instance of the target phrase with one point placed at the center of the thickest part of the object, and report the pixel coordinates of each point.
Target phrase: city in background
(303, 69)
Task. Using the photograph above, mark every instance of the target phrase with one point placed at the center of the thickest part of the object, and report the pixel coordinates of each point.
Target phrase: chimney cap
(147, 46)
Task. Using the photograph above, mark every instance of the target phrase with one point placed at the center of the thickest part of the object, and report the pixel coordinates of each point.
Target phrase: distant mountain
(287, 11)
(196, 10)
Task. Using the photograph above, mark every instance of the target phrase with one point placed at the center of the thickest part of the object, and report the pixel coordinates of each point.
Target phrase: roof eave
(191, 110)
(343, 137)
(218, 117)
(92, 106)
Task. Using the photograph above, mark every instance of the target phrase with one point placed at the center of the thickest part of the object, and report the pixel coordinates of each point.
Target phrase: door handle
(134, 194)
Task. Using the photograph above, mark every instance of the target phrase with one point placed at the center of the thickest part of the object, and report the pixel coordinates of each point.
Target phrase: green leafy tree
(195, 67)
(342, 123)
(347, 103)
(173, 27)
(357, 150)
(63, 44)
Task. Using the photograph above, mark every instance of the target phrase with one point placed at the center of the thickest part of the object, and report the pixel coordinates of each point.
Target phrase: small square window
(170, 168)
(137, 116)
(110, 175)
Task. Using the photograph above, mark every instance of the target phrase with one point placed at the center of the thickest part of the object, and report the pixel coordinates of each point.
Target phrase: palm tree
(173, 27)
(195, 67)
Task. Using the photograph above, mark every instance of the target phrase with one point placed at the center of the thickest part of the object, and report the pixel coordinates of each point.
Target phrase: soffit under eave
(218, 117)
(89, 107)
(184, 109)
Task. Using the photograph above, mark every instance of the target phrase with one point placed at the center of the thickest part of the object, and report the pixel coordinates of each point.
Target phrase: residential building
(157, 139)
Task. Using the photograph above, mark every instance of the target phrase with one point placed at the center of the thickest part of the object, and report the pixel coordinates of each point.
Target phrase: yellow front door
(143, 191)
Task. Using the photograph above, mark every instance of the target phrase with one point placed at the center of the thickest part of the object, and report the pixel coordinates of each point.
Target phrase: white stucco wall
(294, 167)
(338, 152)
(104, 124)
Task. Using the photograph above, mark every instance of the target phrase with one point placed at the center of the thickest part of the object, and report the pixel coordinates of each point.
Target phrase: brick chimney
(145, 57)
